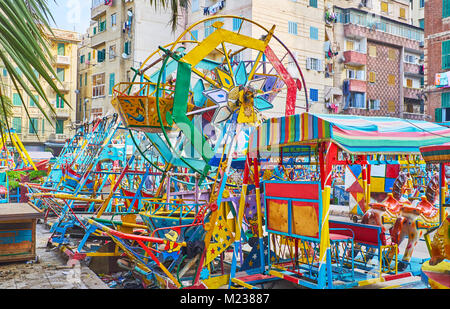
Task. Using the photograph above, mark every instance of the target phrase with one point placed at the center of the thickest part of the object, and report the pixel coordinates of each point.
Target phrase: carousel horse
(385, 213)
(415, 218)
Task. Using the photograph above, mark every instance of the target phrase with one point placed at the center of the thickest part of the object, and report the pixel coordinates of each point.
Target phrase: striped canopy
(354, 134)
(436, 153)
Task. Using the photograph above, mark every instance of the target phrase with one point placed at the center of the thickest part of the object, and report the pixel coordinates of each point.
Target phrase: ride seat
(427, 210)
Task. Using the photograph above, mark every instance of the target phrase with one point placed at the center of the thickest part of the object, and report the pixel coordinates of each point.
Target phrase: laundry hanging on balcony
(213, 9)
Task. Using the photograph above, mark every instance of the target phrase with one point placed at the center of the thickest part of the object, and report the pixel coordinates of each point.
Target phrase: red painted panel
(363, 233)
(293, 190)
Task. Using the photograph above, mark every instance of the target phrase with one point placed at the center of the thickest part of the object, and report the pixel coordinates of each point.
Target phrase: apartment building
(86, 62)
(122, 35)
(418, 13)
(437, 58)
(36, 130)
(378, 60)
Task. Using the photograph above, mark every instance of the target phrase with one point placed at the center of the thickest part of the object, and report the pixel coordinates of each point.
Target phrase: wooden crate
(18, 231)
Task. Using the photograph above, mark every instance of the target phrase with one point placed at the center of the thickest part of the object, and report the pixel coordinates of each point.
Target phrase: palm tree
(174, 6)
(24, 46)
(24, 51)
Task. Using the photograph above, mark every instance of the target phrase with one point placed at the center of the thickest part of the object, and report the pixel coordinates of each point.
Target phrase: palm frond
(24, 44)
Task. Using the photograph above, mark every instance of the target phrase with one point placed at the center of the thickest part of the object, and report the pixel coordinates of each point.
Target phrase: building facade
(35, 130)
(357, 56)
(121, 36)
(437, 58)
(378, 59)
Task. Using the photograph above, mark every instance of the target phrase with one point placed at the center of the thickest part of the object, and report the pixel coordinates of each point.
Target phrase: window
(313, 3)
(101, 25)
(33, 126)
(374, 104)
(17, 101)
(82, 59)
(98, 85)
(127, 48)
(43, 126)
(237, 22)
(59, 101)
(209, 26)
(113, 19)
(357, 100)
(314, 95)
(61, 49)
(112, 82)
(392, 54)
(391, 80)
(438, 114)
(372, 77)
(422, 23)
(356, 74)
(391, 106)
(112, 52)
(446, 54)
(445, 8)
(85, 79)
(422, 3)
(409, 83)
(194, 35)
(384, 7)
(101, 54)
(60, 73)
(349, 45)
(17, 124)
(313, 33)
(314, 64)
(195, 5)
(293, 28)
(34, 100)
(372, 51)
(59, 126)
(445, 99)
(410, 58)
(402, 13)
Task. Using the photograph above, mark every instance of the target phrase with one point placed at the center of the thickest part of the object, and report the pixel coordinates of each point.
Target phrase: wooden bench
(371, 237)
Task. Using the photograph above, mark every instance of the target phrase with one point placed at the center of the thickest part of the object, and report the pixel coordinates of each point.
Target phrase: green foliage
(24, 49)
(14, 178)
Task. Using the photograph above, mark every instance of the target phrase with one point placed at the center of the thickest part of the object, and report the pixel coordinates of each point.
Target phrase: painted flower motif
(240, 95)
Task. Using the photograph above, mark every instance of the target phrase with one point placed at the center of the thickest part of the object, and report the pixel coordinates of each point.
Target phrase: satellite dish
(130, 13)
(125, 56)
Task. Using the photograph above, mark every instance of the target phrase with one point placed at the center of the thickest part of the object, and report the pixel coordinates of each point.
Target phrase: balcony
(375, 34)
(62, 113)
(416, 116)
(357, 85)
(413, 69)
(411, 93)
(99, 39)
(63, 86)
(98, 9)
(355, 58)
(58, 137)
(62, 60)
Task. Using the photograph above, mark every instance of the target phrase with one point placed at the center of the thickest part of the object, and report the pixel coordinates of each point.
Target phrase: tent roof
(354, 134)
(436, 153)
